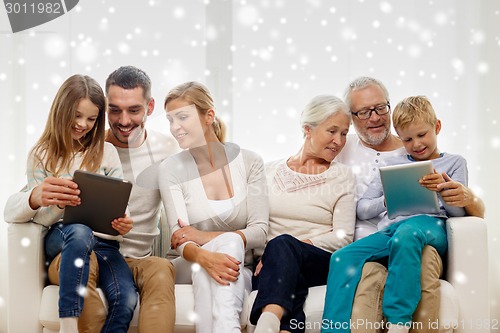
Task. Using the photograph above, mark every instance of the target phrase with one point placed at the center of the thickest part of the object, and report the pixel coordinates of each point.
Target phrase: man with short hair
(368, 100)
(128, 90)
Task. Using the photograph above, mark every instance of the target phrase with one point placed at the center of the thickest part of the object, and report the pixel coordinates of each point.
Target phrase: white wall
(263, 61)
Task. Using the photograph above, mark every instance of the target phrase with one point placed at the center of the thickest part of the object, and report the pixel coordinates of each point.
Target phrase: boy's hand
(432, 180)
(123, 224)
(454, 193)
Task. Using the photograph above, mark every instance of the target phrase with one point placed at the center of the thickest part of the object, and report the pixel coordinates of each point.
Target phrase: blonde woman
(214, 194)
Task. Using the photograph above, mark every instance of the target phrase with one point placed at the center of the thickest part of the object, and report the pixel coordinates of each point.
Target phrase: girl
(215, 197)
(74, 139)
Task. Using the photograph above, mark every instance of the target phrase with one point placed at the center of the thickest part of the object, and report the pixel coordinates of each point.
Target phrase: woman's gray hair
(320, 108)
(360, 83)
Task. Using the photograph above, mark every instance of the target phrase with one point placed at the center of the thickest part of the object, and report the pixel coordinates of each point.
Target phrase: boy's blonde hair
(413, 109)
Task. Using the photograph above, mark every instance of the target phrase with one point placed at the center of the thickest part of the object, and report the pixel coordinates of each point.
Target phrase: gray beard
(373, 140)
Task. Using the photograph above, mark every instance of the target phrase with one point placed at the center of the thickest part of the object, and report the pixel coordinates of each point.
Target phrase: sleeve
(458, 172)
(17, 209)
(172, 196)
(343, 219)
(257, 202)
(111, 162)
(36, 174)
(372, 203)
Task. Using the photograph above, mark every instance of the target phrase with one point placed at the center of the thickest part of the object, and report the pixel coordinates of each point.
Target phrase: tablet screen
(403, 193)
(103, 199)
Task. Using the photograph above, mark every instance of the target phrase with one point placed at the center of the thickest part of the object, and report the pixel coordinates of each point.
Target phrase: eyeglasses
(380, 110)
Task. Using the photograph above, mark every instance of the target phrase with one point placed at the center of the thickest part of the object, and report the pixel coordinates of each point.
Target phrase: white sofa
(32, 305)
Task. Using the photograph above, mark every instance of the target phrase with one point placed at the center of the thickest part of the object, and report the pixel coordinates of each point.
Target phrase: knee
(281, 243)
(406, 236)
(78, 234)
(230, 243)
(432, 264)
(159, 273)
(373, 271)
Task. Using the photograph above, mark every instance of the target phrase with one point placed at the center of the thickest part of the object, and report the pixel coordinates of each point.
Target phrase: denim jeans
(76, 242)
(290, 268)
(401, 244)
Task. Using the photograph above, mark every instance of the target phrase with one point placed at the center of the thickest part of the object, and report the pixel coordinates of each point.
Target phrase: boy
(400, 241)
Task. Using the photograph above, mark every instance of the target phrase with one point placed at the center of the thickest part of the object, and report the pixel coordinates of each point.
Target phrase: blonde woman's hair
(411, 109)
(320, 108)
(199, 95)
(55, 148)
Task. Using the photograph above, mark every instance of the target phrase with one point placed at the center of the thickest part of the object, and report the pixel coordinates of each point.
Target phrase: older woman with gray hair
(312, 213)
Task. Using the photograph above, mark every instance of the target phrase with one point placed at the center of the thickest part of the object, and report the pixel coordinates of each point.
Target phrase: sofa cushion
(184, 314)
(315, 302)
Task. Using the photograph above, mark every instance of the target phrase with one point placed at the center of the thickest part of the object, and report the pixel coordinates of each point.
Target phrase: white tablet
(103, 199)
(403, 193)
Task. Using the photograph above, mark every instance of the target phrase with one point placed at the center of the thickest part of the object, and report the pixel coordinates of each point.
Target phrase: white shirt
(364, 162)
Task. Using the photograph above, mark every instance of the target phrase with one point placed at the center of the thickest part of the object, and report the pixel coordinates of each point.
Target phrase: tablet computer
(103, 199)
(403, 193)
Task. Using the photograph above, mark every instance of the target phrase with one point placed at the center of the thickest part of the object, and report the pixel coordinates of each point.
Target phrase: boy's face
(420, 140)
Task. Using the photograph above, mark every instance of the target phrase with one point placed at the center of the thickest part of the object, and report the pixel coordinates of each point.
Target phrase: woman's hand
(123, 224)
(188, 233)
(431, 181)
(222, 267)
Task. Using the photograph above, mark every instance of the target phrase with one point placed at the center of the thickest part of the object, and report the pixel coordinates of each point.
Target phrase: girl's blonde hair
(413, 108)
(199, 95)
(55, 148)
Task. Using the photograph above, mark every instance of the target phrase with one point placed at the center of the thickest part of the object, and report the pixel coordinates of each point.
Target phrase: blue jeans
(76, 242)
(289, 268)
(401, 244)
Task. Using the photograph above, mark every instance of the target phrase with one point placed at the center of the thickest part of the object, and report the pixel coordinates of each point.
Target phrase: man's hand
(455, 193)
(55, 191)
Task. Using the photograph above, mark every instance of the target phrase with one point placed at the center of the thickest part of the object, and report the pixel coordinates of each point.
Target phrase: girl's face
(329, 137)
(186, 124)
(85, 119)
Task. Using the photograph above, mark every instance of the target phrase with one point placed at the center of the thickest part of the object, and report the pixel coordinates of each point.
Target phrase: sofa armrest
(468, 272)
(27, 275)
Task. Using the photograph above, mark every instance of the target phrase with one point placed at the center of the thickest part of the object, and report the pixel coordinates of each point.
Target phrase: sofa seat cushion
(315, 302)
(184, 314)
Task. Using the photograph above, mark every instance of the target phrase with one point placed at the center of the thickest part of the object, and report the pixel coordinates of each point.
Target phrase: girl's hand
(123, 224)
(454, 193)
(222, 267)
(431, 181)
(55, 191)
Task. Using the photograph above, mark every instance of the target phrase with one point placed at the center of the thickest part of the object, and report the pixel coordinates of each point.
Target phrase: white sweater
(324, 212)
(184, 196)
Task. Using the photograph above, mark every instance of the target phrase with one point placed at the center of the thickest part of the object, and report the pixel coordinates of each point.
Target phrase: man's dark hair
(130, 77)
